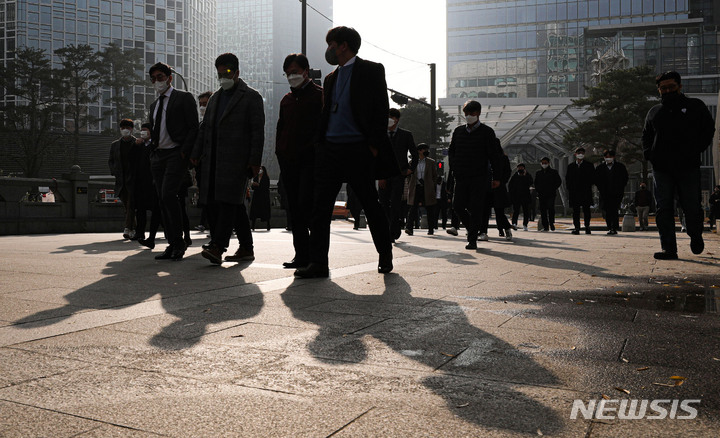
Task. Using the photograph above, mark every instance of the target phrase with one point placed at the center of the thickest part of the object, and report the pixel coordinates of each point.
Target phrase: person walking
(391, 191)
(547, 181)
(519, 189)
(643, 199)
(122, 168)
(423, 185)
(611, 177)
(354, 148)
(297, 132)
(498, 199)
(229, 149)
(676, 133)
(579, 179)
(472, 154)
(174, 118)
(145, 192)
(260, 203)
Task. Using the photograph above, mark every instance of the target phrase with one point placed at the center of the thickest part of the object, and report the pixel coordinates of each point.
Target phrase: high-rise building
(262, 33)
(181, 33)
(525, 60)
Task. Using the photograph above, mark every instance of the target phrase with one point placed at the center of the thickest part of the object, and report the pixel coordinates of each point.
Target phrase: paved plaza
(98, 339)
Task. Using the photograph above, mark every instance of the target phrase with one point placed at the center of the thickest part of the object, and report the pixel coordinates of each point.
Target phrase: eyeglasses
(158, 77)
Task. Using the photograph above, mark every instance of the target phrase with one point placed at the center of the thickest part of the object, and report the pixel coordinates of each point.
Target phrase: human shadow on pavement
(551, 262)
(187, 290)
(459, 256)
(475, 372)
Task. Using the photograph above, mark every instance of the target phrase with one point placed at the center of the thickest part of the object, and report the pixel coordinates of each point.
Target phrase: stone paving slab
(98, 339)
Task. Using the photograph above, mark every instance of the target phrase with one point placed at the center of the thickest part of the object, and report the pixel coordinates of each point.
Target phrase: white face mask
(226, 83)
(471, 120)
(144, 135)
(202, 111)
(544, 166)
(161, 87)
(580, 156)
(391, 122)
(125, 132)
(295, 80)
(609, 160)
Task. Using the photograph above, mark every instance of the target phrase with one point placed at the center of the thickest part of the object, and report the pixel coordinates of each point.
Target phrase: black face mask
(426, 153)
(670, 98)
(521, 172)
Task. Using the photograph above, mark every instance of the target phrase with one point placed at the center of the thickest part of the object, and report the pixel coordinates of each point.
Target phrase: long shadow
(460, 257)
(182, 288)
(551, 262)
(474, 371)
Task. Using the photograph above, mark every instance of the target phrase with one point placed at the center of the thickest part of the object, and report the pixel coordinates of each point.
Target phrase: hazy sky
(413, 29)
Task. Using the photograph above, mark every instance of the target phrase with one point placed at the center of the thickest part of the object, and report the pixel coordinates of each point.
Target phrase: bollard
(79, 182)
(628, 223)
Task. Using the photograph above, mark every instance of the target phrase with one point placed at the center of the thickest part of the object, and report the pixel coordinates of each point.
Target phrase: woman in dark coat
(260, 204)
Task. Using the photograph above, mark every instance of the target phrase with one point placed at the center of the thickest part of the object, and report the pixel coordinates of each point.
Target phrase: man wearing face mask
(145, 193)
(676, 133)
(297, 132)
(422, 190)
(391, 192)
(474, 160)
(611, 177)
(202, 103)
(547, 181)
(579, 179)
(174, 119)
(643, 199)
(519, 190)
(229, 149)
(203, 100)
(121, 168)
(353, 148)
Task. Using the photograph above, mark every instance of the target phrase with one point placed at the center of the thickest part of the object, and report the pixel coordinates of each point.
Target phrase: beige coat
(430, 177)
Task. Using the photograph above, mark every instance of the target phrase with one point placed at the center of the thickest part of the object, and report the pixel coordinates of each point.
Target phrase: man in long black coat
(519, 189)
(547, 181)
(579, 180)
(353, 148)
(611, 178)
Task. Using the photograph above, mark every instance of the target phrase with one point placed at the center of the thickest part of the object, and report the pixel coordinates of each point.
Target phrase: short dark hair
(580, 149)
(471, 106)
(126, 122)
(521, 164)
(162, 67)
(394, 112)
(205, 94)
(147, 125)
(422, 146)
(343, 34)
(668, 75)
(228, 60)
(298, 58)
(610, 152)
(544, 159)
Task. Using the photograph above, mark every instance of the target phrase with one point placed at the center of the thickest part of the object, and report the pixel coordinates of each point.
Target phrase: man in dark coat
(497, 199)
(643, 199)
(229, 149)
(519, 189)
(422, 189)
(473, 154)
(579, 180)
(611, 177)
(145, 192)
(174, 119)
(676, 133)
(547, 181)
(122, 168)
(354, 148)
(297, 132)
(391, 189)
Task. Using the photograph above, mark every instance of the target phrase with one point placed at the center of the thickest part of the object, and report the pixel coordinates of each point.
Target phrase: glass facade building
(552, 48)
(181, 33)
(262, 33)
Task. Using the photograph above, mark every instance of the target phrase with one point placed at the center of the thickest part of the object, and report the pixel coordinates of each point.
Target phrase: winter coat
(260, 204)
(547, 181)
(430, 179)
(611, 182)
(519, 187)
(579, 181)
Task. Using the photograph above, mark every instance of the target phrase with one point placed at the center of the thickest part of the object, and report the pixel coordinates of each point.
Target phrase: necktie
(158, 121)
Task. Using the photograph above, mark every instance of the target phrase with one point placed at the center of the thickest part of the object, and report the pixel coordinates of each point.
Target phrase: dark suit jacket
(181, 119)
(611, 182)
(368, 97)
(579, 181)
(402, 143)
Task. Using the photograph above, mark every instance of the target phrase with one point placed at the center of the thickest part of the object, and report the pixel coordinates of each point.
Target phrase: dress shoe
(150, 243)
(188, 241)
(575, 232)
(241, 255)
(409, 231)
(471, 245)
(665, 255)
(177, 255)
(431, 232)
(587, 231)
(214, 254)
(552, 227)
(697, 245)
(313, 270)
(295, 263)
(165, 255)
(452, 231)
(385, 262)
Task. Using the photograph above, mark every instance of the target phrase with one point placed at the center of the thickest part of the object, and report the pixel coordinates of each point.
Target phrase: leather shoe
(313, 270)
(214, 254)
(575, 232)
(697, 245)
(150, 243)
(665, 255)
(385, 262)
(188, 241)
(294, 264)
(177, 255)
(241, 255)
(471, 245)
(165, 255)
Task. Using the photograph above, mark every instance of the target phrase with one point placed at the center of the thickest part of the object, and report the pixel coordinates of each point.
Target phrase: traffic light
(441, 168)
